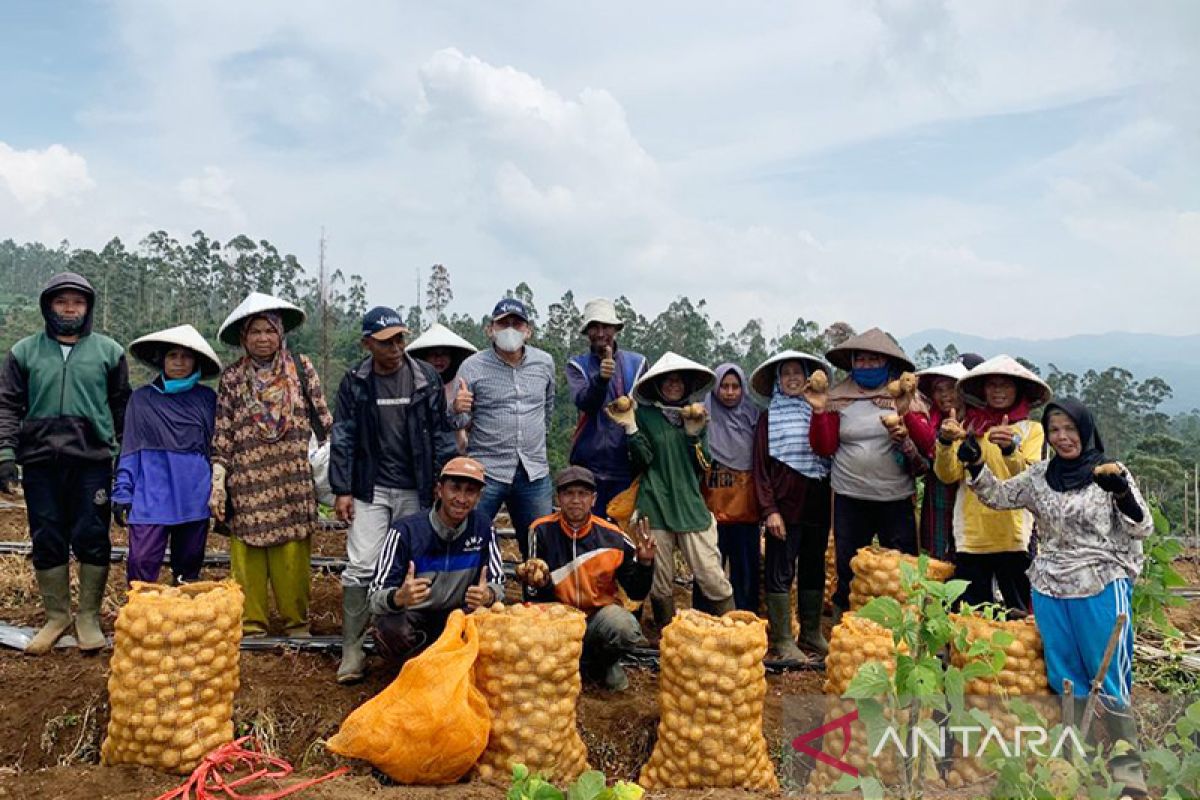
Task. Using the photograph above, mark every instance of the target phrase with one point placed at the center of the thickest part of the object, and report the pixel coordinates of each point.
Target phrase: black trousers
(856, 522)
(801, 555)
(1009, 571)
(69, 511)
(404, 634)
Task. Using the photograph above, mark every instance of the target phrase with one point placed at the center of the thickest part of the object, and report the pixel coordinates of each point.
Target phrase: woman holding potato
(993, 545)
(669, 451)
(1091, 522)
(792, 485)
(874, 434)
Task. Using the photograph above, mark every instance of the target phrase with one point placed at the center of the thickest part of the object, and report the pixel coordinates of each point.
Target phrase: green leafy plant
(1152, 594)
(591, 785)
(1174, 764)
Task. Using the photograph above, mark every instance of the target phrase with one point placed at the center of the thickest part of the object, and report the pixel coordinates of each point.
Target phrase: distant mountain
(1175, 359)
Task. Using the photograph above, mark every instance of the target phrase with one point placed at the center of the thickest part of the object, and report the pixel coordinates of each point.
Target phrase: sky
(1010, 168)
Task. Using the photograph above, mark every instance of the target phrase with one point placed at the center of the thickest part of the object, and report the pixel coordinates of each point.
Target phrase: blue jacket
(452, 565)
(599, 443)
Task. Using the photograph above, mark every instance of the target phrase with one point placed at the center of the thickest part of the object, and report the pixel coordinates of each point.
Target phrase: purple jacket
(599, 443)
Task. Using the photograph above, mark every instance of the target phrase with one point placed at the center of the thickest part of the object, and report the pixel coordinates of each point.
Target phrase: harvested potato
(712, 687)
(535, 573)
(1111, 468)
(534, 649)
(891, 420)
(877, 574)
(906, 384)
(173, 674)
(693, 411)
(622, 404)
(818, 381)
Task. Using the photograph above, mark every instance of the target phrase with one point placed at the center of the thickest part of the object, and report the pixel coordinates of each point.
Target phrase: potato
(622, 404)
(818, 381)
(1111, 468)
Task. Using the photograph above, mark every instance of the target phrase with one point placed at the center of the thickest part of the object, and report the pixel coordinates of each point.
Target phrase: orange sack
(431, 724)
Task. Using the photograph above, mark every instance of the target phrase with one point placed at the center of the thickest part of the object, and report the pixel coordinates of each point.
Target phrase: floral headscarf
(270, 387)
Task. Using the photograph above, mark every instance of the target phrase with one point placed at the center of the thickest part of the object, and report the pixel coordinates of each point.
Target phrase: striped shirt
(510, 417)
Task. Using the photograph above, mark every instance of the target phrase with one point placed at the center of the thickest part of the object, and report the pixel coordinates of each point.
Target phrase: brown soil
(55, 708)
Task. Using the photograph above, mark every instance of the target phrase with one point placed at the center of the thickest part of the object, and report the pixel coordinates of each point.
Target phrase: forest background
(164, 282)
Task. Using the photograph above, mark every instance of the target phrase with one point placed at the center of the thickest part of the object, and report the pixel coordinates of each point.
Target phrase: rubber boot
(779, 619)
(1125, 766)
(663, 610)
(721, 607)
(356, 613)
(92, 580)
(700, 602)
(615, 679)
(811, 601)
(55, 586)
(837, 614)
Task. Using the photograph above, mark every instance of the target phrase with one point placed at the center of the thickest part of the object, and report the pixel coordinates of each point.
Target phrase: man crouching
(434, 562)
(585, 557)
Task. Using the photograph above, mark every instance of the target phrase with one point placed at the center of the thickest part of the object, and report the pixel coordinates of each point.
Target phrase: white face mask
(510, 340)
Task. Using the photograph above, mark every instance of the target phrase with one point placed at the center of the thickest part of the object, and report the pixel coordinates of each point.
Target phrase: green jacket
(670, 464)
(51, 407)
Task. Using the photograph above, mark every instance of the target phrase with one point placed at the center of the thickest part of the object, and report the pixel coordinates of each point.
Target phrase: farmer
(164, 478)
(62, 409)
(444, 350)
(991, 544)
(728, 485)
(670, 452)
(873, 466)
(792, 483)
(434, 562)
(390, 440)
(588, 556)
(1091, 521)
(267, 402)
(596, 378)
(939, 385)
(506, 395)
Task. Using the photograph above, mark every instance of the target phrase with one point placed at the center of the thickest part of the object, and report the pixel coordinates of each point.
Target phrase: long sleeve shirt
(599, 443)
(783, 490)
(587, 564)
(1084, 541)
(866, 465)
(670, 462)
(510, 417)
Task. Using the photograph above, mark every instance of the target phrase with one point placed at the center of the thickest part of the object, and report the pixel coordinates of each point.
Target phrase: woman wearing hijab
(873, 466)
(728, 486)
(991, 544)
(670, 454)
(792, 483)
(163, 478)
(260, 462)
(939, 386)
(1091, 523)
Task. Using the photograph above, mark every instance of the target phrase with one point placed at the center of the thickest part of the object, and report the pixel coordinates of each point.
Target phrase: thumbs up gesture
(480, 594)
(464, 398)
(413, 591)
(607, 365)
(951, 430)
(1003, 436)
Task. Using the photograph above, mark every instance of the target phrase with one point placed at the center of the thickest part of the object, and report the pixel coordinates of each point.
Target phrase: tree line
(164, 282)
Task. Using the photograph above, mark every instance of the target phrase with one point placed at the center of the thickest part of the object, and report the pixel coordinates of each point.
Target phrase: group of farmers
(739, 477)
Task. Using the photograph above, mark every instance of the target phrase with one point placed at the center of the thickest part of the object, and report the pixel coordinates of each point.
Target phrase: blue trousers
(526, 500)
(1075, 633)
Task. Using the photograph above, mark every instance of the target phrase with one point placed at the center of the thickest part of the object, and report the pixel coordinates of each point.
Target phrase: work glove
(621, 411)
(971, 454)
(120, 513)
(216, 498)
(1111, 480)
(8, 475)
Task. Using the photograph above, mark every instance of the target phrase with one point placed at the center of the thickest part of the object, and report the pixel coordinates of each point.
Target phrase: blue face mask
(180, 384)
(871, 378)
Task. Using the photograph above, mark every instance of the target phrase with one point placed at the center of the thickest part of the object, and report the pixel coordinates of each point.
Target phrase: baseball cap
(463, 467)
(382, 323)
(572, 475)
(510, 307)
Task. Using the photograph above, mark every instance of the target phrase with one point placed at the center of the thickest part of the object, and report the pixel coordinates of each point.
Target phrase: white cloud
(35, 177)
(212, 191)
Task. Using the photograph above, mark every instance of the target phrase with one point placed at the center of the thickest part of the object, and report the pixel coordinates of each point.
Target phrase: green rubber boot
(779, 618)
(92, 580)
(55, 587)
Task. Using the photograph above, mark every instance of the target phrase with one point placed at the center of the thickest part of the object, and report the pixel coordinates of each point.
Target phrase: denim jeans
(526, 500)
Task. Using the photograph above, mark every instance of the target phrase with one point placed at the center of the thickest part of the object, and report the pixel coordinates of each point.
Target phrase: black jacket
(354, 449)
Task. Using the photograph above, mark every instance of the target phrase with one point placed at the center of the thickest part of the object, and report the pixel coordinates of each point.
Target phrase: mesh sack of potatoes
(1023, 675)
(528, 671)
(877, 574)
(712, 686)
(174, 672)
(830, 572)
(859, 752)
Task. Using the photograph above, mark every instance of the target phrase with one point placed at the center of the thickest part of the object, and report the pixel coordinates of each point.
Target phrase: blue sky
(999, 168)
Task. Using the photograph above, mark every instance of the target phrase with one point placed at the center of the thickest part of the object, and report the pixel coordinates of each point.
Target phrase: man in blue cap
(389, 443)
(505, 397)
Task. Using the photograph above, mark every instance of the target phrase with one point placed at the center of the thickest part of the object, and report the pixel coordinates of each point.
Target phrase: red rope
(209, 779)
